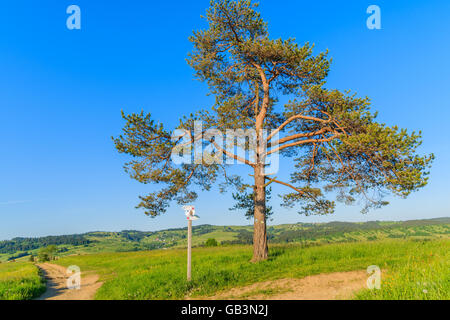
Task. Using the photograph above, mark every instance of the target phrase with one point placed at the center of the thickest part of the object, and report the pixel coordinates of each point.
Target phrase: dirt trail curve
(332, 286)
(56, 278)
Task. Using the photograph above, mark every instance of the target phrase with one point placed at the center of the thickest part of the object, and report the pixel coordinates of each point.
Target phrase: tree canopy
(340, 151)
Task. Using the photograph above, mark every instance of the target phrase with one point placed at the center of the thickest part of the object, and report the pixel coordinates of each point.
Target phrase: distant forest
(25, 244)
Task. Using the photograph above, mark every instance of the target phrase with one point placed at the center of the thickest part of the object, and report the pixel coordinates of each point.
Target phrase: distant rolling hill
(303, 233)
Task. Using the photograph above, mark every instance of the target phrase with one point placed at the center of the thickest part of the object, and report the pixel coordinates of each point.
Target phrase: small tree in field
(47, 253)
(211, 243)
(337, 147)
(43, 255)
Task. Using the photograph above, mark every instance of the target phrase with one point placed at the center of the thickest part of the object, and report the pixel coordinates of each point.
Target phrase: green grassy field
(412, 269)
(20, 281)
(414, 256)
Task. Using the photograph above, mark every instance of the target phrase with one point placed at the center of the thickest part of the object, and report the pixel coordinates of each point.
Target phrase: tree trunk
(260, 248)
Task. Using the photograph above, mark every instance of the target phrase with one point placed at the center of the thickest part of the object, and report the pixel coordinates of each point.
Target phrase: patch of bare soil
(56, 278)
(333, 286)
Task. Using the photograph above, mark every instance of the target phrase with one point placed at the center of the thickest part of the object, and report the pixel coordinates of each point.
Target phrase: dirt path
(56, 277)
(333, 286)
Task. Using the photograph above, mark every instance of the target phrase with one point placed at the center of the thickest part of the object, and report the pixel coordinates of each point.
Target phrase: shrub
(211, 243)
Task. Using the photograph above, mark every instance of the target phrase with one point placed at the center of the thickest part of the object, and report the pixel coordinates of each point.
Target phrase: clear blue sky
(61, 93)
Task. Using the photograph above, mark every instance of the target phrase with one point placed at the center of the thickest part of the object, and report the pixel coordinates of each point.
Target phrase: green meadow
(20, 281)
(414, 257)
(412, 269)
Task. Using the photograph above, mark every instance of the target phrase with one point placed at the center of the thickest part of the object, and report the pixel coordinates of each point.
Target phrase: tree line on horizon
(27, 244)
(21, 247)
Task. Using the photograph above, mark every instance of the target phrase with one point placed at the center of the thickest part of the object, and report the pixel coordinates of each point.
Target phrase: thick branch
(298, 116)
(300, 135)
(295, 188)
(232, 155)
(303, 142)
(287, 185)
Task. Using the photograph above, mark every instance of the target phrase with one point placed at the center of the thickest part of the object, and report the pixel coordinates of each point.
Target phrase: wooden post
(189, 250)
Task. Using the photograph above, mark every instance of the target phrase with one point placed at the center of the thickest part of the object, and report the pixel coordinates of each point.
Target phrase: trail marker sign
(189, 211)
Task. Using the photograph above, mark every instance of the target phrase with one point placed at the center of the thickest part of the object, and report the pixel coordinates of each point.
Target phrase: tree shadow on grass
(274, 253)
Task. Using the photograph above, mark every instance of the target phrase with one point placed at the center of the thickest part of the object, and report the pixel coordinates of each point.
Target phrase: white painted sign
(189, 211)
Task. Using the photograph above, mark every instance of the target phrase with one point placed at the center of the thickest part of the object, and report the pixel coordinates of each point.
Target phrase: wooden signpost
(190, 214)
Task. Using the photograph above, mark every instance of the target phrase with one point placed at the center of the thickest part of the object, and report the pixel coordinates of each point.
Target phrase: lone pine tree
(337, 148)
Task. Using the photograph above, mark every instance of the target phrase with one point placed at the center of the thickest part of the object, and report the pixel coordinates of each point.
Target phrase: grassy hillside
(412, 269)
(20, 281)
(304, 233)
